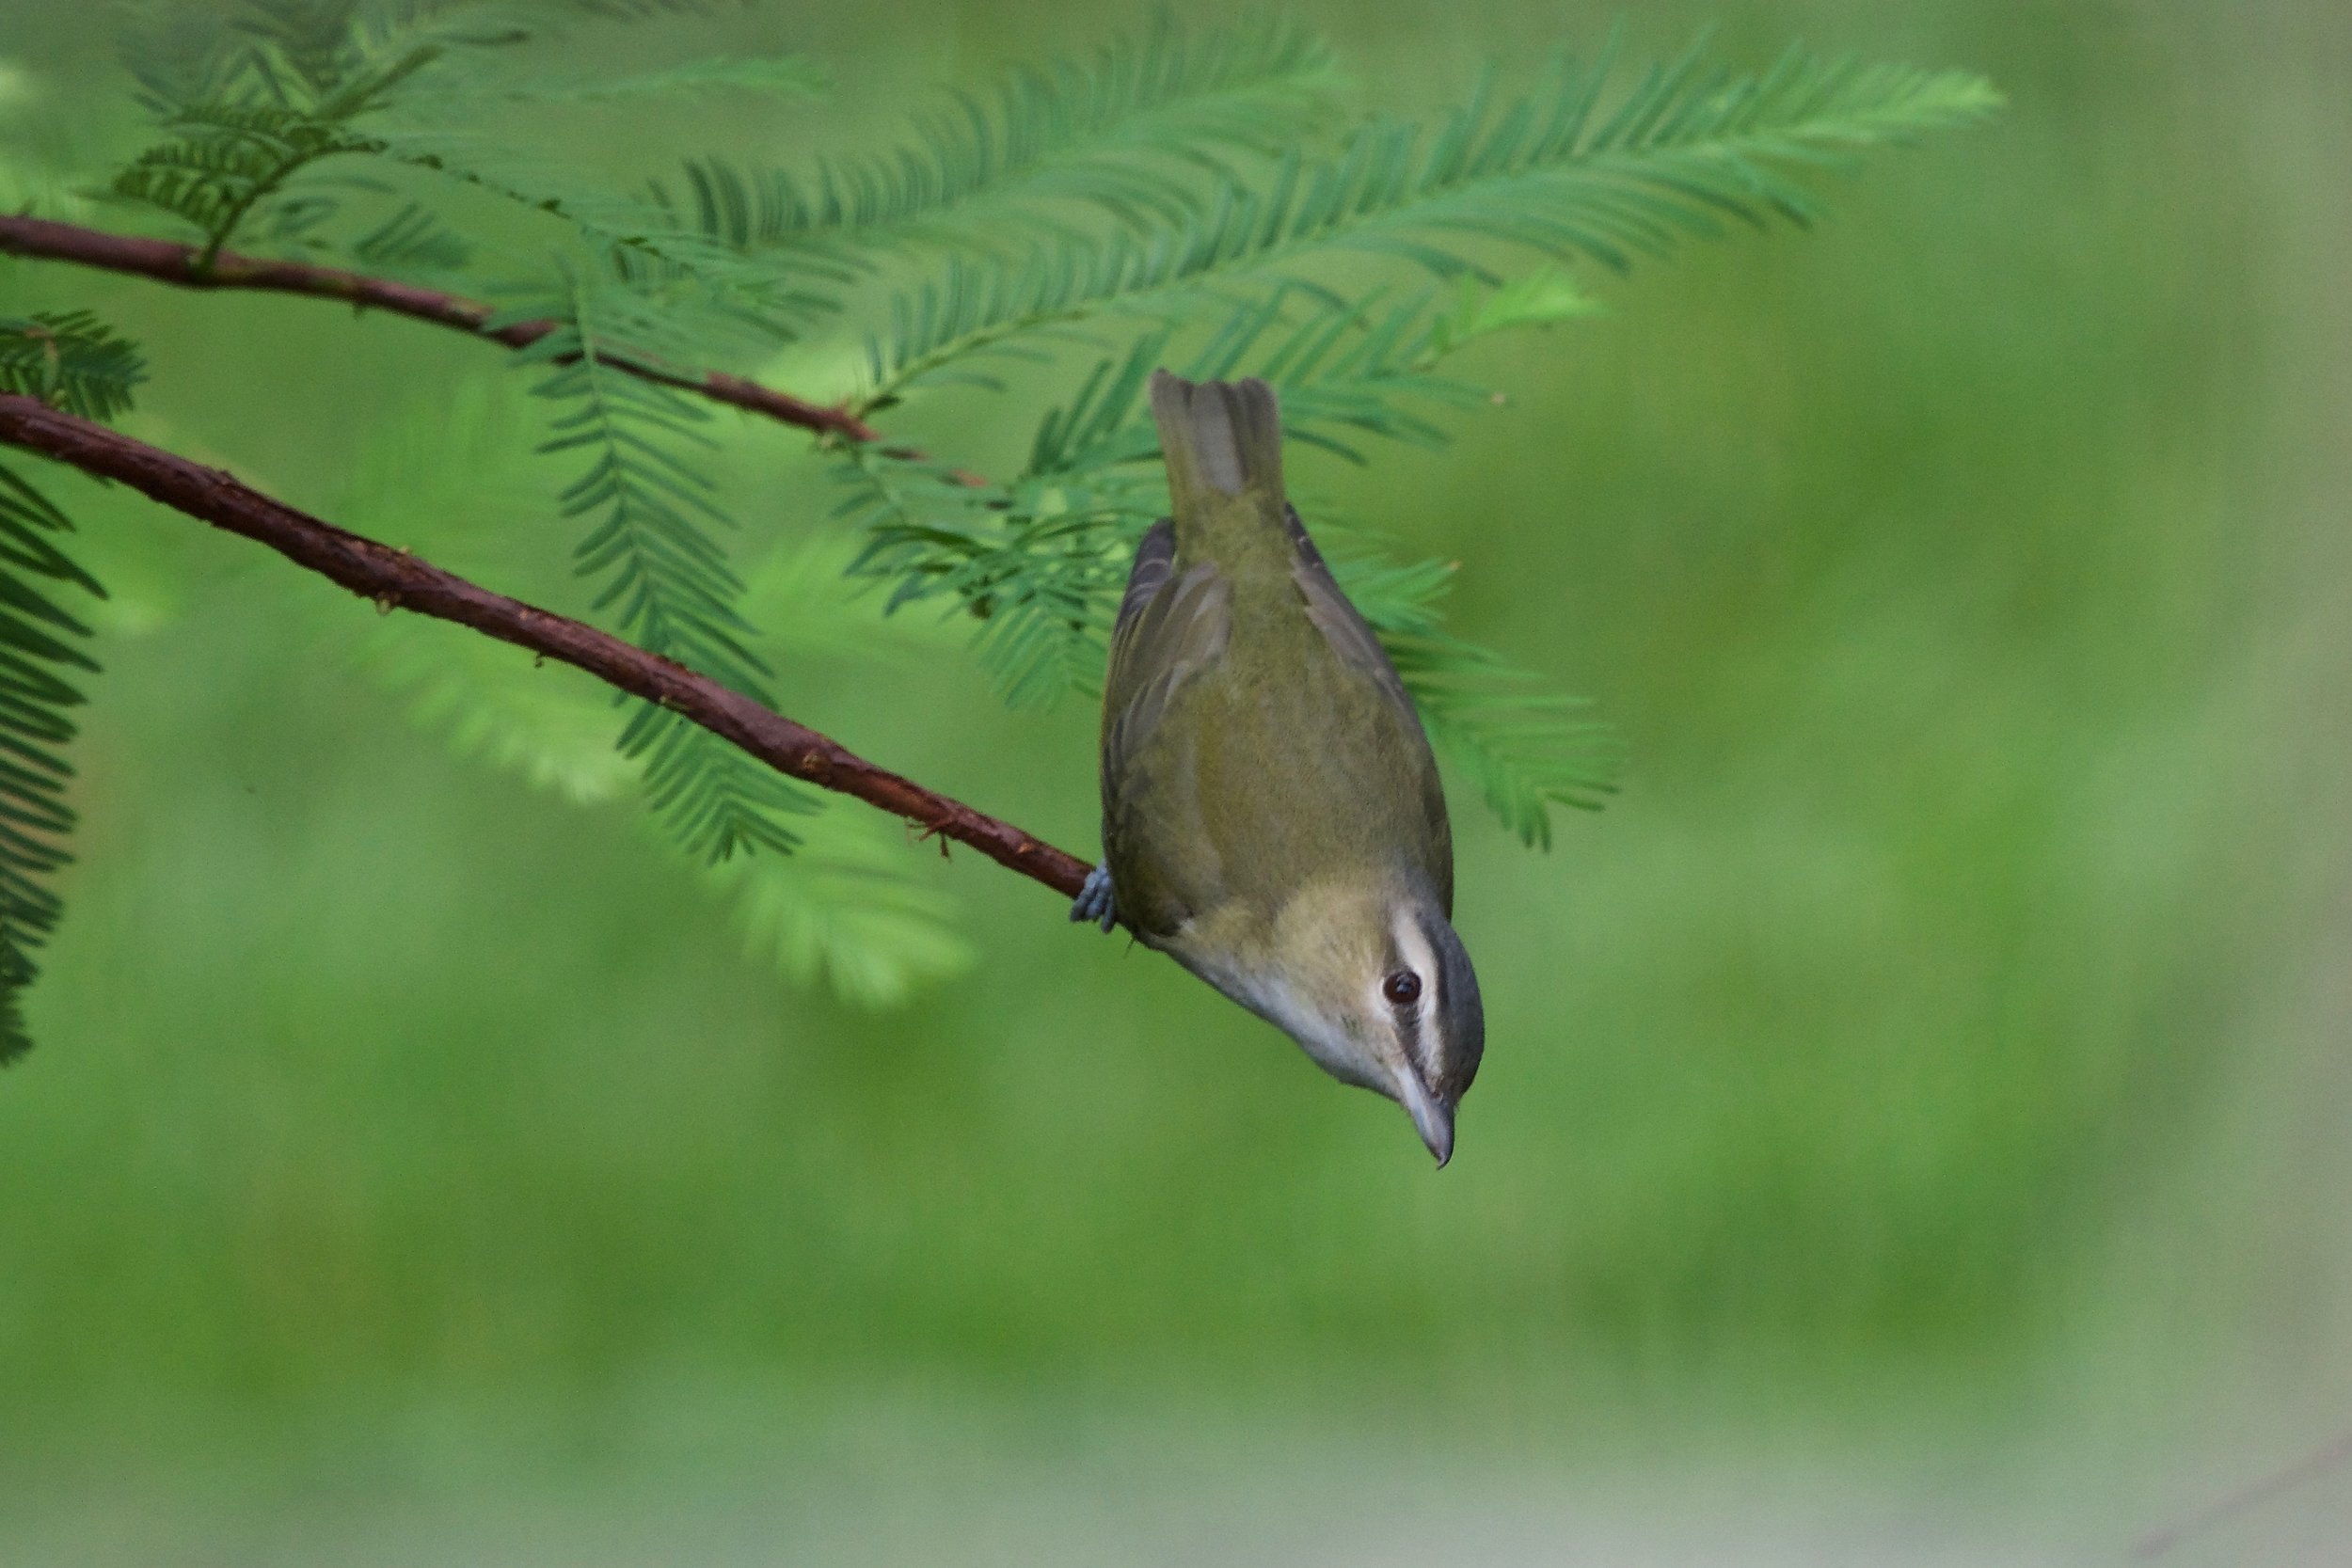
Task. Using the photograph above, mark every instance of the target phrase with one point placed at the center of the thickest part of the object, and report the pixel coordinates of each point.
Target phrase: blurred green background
(1915, 1121)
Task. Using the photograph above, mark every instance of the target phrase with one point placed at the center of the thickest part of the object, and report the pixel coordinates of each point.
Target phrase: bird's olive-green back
(1255, 739)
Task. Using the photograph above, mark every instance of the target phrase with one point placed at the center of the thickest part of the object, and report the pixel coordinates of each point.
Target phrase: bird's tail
(1223, 440)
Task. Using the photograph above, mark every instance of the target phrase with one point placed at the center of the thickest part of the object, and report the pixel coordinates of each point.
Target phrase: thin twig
(2337, 1450)
(187, 267)
(396, 579)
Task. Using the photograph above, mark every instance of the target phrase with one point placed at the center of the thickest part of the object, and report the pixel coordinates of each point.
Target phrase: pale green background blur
(1915, 1123)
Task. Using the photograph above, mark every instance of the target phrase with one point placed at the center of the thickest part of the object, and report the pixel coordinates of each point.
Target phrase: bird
(1272, 815)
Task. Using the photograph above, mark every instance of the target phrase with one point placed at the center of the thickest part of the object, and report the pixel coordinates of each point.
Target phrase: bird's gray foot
(1094, 899)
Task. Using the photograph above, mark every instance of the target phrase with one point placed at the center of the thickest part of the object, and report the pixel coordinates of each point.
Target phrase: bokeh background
(1915, 1128)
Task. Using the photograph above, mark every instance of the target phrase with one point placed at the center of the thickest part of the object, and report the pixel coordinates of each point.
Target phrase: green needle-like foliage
(70, 360)
(1042, 562)
(664, 577)
(1128, 131)
(782, 75)
(74, 363)
(37, 640)
(255, 102)
(1173, 198)
(1560, 171)
(848, 907)
(286, 85)
(1566, 172)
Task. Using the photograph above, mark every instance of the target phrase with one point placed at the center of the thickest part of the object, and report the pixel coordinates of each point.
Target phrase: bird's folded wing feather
(1341, 624)
(1353, 640)
(1171, 626)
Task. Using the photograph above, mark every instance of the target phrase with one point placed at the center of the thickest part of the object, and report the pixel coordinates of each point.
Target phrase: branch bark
(397, 581)
(183, 266)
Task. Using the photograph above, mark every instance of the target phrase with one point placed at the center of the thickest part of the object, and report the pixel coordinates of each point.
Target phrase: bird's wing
(1345, 628)
(1155, 558)
(1171, 626)
(1341, 624)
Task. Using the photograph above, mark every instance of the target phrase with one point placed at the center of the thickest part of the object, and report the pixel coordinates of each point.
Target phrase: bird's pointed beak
(1432, 1117)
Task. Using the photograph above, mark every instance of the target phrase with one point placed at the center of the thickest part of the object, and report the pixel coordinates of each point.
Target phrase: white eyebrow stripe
(1413, 945)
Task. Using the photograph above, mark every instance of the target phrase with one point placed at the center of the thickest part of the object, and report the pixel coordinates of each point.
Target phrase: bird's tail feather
(1221, 438)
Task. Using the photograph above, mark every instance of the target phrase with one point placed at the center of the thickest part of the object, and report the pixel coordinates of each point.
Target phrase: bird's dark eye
(1401, 989)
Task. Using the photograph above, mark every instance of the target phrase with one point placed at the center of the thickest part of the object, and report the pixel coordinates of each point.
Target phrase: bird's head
(1376, 985)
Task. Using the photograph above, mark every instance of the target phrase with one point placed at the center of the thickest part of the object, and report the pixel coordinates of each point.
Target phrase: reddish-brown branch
(181, 265)
(396, 579)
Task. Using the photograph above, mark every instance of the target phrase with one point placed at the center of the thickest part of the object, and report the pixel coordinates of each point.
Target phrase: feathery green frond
(642, 11)
(1162, 200)
(854, 908)
(1040, 562)
(228, 161)
(609, 219)
(1128, 130)
(34, 729)
(784, 75)
(1686, 147)
(1343, 369)
(176, 55)
(414, 244)
(1528, 748)
(678, 272)
(851, 908)
(1539, 299)
(70, 360)
(73, 362)
(38, 640)
(1038, 569)
(279, 86)
(259, 94)
(1040, 566)
(665, 578)
(546, 723)
(1678, 152)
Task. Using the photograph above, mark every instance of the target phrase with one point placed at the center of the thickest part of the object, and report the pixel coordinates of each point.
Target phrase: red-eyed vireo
(1272, 817)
